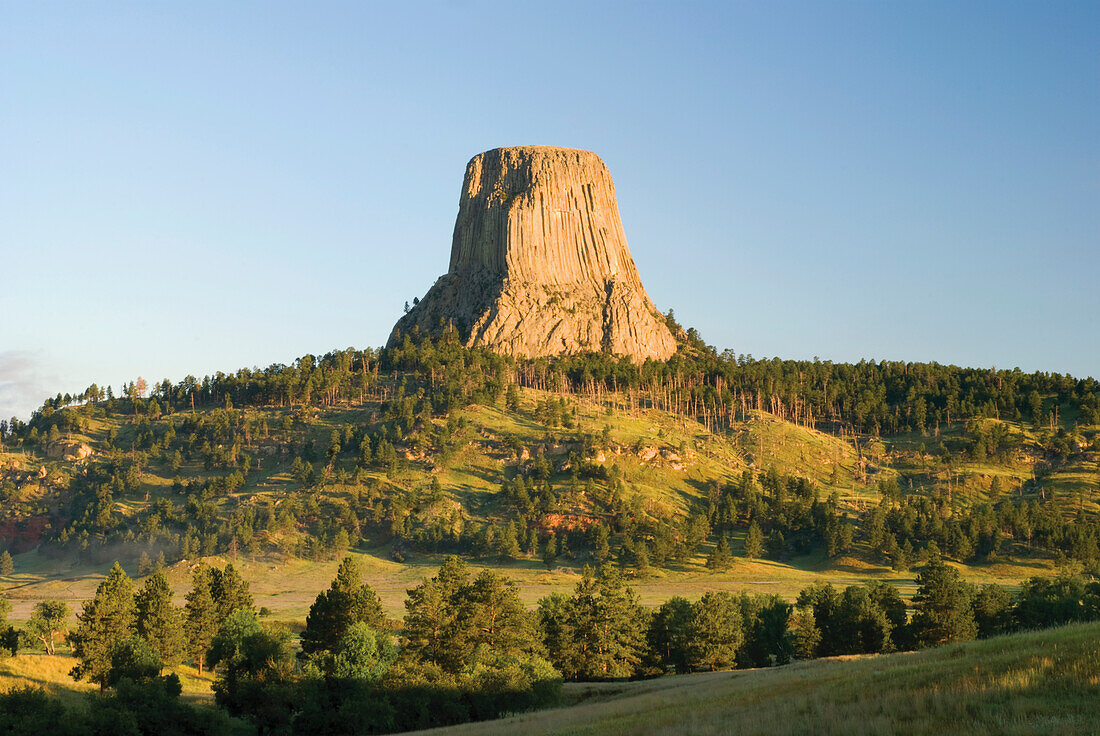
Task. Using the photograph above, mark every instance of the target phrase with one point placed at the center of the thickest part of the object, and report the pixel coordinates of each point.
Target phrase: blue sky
(193, 187)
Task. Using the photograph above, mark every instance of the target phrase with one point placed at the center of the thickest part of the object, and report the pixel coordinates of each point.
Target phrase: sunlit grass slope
(51, 673)
(1044, 682)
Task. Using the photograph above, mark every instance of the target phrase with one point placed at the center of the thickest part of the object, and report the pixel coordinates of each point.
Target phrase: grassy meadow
(1045, 682)
(51, 673)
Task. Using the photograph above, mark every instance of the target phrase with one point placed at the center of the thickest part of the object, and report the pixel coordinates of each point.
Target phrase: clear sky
(193, 187)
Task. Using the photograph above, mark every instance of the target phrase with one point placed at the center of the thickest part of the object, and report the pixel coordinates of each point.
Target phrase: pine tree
(430, 616)
(805, 635)
(716, 630)
(610, 623)
(550, 553)
(721, 557)
(754, 541)
(106, 620)
(670, 635)
(943, 603)
(508, 543)
(230, 591)
(558, 627)
(9, 635)
(995, 489)
(641, 559)
(347, 601)
(492, 616)
(202, 620)
(602, 544)
(776, 544)
(158, 621)
(511, 398)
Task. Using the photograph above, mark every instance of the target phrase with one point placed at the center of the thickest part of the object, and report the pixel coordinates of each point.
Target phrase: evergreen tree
(430, 614)
(805, 636)
(492, 616)
(776, 544)
(943, 602)
(230, 591)
(720, 558)
(606, 628)
(550, 552)
(9, 635)
(556, 623)
(347, 601)
(602, 544)
(508, 543)
(823, 602)
(145, 564)
(767, 639)
(888, 599)
(754, 541)
(861, 626)
(670, 635)
(158, 621)
(993, 610)
(641, 559)
(716, 631)
(105, 620)
(201, 616)
(454, 623)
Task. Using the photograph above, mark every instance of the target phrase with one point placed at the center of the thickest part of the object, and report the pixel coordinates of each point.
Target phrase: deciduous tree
(47, 623)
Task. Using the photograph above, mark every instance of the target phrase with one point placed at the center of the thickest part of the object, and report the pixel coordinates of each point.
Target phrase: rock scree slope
(539, 263)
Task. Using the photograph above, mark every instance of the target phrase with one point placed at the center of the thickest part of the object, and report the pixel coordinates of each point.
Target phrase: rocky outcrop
(69, 450)
(539, 262)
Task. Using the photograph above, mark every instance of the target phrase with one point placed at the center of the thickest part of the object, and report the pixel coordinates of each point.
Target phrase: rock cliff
(539, 262)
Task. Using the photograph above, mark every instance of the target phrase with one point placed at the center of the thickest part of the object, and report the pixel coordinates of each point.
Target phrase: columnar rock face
(539, 263)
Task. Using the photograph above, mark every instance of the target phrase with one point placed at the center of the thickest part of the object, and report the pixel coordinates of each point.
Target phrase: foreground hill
(1036, 682)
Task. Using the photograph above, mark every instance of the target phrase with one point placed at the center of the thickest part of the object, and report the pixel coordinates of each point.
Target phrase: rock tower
(539, 263)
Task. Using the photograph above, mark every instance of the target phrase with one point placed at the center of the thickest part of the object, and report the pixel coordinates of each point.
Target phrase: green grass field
(1044, 682)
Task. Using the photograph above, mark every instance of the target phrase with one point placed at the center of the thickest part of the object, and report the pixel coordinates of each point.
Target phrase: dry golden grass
(1035, 683)
(51, 673)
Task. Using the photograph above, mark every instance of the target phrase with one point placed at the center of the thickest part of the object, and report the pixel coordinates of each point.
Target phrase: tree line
(467, 648)
(872, 397)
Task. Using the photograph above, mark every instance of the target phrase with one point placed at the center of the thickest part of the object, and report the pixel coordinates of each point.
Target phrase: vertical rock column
(539, 262)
